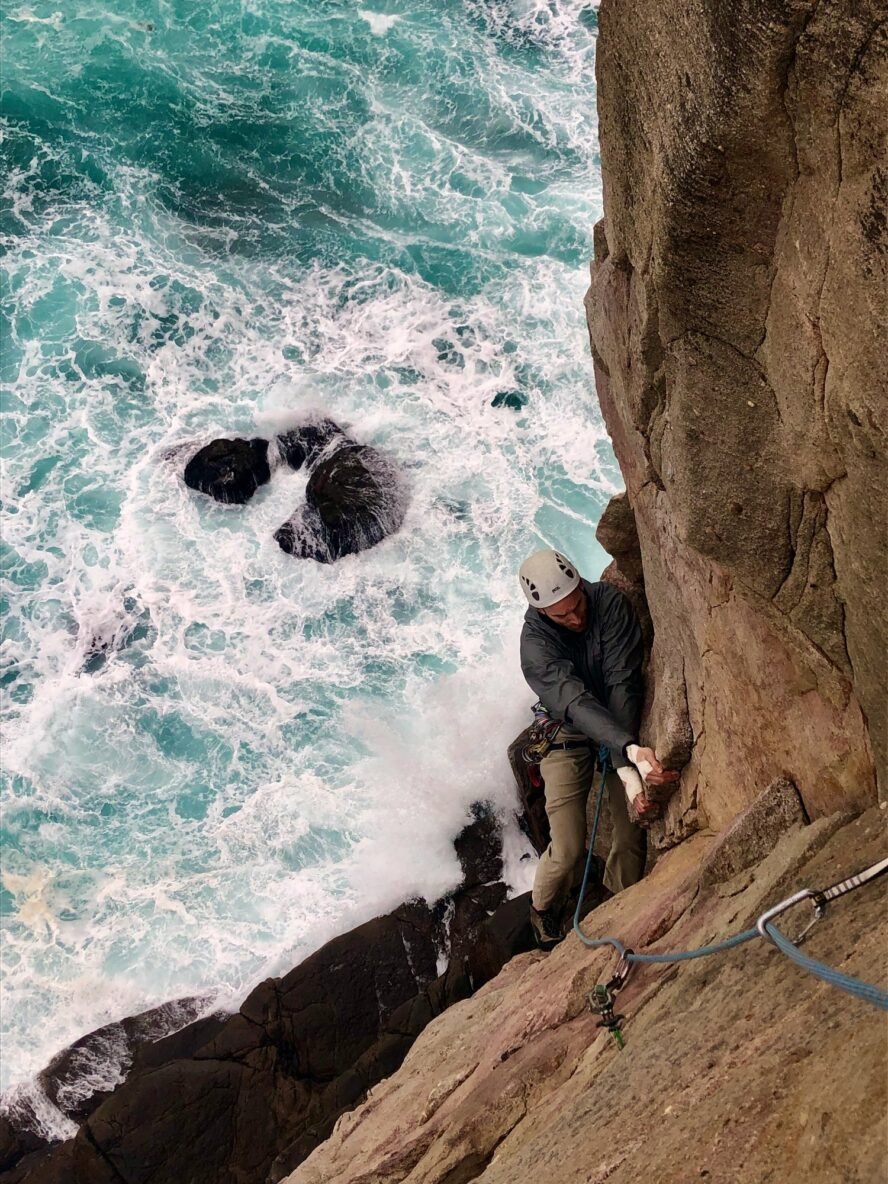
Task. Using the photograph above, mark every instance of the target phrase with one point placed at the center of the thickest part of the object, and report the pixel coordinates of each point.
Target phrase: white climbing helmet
(547, 577)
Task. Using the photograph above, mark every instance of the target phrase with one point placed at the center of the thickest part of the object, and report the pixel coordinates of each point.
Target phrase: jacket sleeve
(565, 696)
(622, 653)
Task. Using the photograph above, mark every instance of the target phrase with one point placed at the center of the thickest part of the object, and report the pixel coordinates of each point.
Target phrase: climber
(581, 653)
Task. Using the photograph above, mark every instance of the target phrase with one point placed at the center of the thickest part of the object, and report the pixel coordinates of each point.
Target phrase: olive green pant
(568, 775)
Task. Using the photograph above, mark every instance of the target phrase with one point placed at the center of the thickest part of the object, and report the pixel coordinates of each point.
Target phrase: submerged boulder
(229, 470)
(304, 444)
(354, 498)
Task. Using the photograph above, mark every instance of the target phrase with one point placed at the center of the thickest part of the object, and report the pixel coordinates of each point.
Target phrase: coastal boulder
(80, 1077)
(354, 498)
(303, 445)
(229, 470)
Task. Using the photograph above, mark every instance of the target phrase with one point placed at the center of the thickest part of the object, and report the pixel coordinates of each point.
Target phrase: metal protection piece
(805, 894)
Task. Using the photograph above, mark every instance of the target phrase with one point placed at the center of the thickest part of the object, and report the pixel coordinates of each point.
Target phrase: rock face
(737, 319)
(738, 1067)
(229, 470)
(353, 500)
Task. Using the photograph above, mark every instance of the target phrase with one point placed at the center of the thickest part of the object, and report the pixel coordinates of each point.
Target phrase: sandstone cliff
(739, 322)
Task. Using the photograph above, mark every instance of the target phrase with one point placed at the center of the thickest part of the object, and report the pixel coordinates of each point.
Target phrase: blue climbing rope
(843, 982)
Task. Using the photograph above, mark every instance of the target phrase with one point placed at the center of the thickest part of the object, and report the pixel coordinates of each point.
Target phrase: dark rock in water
(479, 847)
(79, 1078)
(300, 1050)
(304, 444)
(16, 1143)
(229, 470)
(354, 498)
(504, 933)
(515, 400)
(119, 633)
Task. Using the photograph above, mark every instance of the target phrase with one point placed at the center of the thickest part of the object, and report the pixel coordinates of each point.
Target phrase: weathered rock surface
(354, 499)
(737, 319)
(229, 470)
(17, 1145)
(732, 1067)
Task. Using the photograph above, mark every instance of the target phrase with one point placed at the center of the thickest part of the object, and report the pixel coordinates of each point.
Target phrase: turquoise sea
(217, 217)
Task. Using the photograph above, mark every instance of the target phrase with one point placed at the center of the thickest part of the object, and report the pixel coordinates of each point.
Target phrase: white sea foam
(379, 22)
(216, 756)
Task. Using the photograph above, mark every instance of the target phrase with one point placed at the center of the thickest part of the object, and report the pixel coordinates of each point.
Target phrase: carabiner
(796, 898)
(621, 973)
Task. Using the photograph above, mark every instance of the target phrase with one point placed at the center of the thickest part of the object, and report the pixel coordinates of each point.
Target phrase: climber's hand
(645, 808)
(645, 760)
(642, 811)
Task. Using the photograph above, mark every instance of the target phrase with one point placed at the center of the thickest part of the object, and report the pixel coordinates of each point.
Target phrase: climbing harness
(602, 998)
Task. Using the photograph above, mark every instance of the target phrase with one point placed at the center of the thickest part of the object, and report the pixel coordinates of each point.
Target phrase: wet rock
(229, 1100)
(79, 1078)
(479, 847)
(229, 470)
(303, 445)
(514, 400)
(16, 1143)
(354, 499)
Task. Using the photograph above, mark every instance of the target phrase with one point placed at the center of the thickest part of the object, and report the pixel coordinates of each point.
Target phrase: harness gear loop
(543, 733)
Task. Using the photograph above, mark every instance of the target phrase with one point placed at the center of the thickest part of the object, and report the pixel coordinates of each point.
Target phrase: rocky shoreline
(300, 1050)
(271, 1080)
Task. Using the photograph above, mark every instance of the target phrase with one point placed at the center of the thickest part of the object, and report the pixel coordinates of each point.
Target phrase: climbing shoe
(546, 925)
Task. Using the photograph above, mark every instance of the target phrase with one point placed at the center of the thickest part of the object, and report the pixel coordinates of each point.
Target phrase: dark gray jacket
(591, 680)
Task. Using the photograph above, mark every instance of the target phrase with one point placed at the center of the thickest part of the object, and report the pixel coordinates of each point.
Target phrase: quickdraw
(603, 997)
